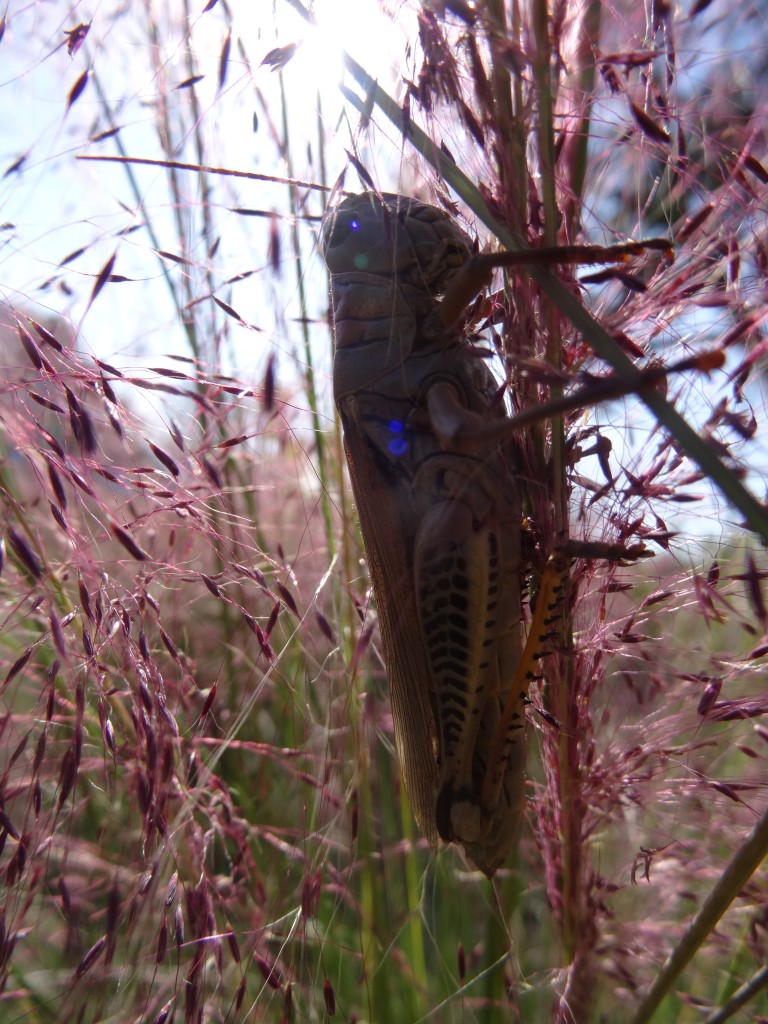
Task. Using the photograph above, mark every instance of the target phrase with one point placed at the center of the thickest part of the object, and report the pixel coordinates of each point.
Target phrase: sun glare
(360, 29)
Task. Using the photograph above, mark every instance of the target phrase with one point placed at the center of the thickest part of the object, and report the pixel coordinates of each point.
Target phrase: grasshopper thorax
(383, 234)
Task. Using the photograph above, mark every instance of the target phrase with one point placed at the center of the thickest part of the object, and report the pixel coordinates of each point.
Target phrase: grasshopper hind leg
(458, 583)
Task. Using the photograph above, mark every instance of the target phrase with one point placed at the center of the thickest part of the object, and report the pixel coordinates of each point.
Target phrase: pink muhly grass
(200, 812)
(114, 696)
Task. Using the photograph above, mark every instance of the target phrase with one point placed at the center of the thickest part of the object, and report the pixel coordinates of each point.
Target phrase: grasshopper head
(391, 235)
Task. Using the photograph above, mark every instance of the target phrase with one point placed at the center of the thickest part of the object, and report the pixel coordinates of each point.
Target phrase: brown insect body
(440, 518)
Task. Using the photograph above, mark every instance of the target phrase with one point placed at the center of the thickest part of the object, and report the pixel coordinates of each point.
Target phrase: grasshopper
(436, 481)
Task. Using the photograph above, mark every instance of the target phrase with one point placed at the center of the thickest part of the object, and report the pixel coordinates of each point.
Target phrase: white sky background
(55, 204)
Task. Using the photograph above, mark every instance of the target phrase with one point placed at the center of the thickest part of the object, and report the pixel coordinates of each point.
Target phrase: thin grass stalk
(197, 137)
(179, 206)
(309, 381)
(509, 159)
(546, 154)
(367, 881)
(740, 998)
(560, 674)
(224, 524)
(205, 205)
(370, 889)
(545, 131)
(165, 272)
(413, 890)
(371, 909)
(344, 498)
(507, 106)
(578, 140)
(740, 963)
(570, 306)
(511, 141)
(510, 168)
(370, 895)
(739, 870)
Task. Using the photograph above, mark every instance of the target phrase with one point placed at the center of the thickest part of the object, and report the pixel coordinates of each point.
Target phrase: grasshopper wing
(391, 568)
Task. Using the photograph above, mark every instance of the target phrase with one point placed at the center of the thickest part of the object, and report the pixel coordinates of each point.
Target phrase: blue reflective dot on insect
(398, 445)
(354, 225)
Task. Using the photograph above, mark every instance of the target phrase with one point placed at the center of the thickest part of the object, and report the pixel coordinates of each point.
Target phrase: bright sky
(55, 205)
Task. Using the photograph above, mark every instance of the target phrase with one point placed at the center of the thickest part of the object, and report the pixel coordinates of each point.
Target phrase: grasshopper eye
(344, 226)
